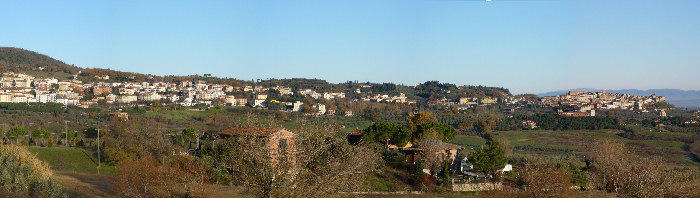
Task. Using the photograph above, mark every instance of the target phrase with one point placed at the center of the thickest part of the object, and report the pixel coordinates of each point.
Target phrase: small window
(283, 145)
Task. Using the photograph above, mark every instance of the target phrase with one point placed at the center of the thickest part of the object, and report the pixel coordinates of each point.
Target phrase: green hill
(39, 65)
(33, 63)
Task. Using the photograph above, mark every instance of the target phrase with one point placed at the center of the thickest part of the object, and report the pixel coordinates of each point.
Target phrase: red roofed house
(354, 136)
(280, 142)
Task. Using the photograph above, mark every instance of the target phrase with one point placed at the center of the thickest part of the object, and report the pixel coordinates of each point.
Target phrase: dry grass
(424, 195)
(214, 190)
(90, 185)
(93, 185)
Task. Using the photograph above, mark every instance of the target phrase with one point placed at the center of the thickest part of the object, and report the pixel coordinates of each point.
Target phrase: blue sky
(527, 46)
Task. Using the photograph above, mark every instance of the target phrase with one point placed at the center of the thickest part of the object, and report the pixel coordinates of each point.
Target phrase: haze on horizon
(526, 46)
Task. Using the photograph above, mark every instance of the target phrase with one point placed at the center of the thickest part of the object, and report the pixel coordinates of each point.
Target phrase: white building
(230, 100)
(149, 97)
(321, 109)
(18, 99)
(297, 106)
(173, 97)
(44, 98)
(127, 98)
(258, 103)
(66, 101)
(111, 97)
(329, 96)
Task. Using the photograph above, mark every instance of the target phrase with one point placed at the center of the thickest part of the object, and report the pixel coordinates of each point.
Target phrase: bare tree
(433, 151)
(149, 177)
(546, 180)
(622, 171)
(321, 164)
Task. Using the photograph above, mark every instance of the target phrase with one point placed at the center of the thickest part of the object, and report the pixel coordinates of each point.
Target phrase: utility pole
(98, 151)
(4, 131)
(65, 127)
(604, 184)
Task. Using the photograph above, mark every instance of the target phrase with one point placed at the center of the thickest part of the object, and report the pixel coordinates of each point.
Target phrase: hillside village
(23, 88)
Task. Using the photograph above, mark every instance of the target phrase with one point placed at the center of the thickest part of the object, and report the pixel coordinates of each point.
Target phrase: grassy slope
(76, 170)
(71, 159)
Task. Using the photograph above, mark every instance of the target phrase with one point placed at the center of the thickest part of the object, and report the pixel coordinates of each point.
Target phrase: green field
(666, 145)
(469, 141)
(71, 159)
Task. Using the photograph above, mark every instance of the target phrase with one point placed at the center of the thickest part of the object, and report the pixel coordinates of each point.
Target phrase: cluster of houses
(587, 102)
(401, 98)
(22, 88)
(17, 87)
(584, 102)
(465, 103)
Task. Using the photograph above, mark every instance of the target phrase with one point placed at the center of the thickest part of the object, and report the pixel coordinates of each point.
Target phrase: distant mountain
(562, 92)
(677, 97)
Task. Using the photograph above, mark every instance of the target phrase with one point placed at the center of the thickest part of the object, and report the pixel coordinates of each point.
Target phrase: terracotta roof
(441, 145)
(355, 132)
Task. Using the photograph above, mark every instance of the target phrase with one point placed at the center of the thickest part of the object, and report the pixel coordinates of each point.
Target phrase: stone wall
(476, 186)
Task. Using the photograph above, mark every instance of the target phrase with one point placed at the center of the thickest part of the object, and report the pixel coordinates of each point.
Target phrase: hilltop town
(585, 103)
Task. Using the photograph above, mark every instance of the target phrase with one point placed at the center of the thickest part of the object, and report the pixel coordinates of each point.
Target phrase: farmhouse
(281, 143)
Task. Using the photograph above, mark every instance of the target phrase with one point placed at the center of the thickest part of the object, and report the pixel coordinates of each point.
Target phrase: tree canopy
(90, 132)
(41, 134)
(387, 132)
(488, 159)
(16, 132)
(420, 118)
(444, 131)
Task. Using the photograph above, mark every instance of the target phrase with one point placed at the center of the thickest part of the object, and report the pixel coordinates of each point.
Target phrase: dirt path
(93, 185)
(90, 185)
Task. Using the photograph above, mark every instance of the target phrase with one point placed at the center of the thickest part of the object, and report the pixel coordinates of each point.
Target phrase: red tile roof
(355, 132)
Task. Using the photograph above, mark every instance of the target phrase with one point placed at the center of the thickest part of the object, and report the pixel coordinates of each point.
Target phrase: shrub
(22, 175)
(394, 158)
